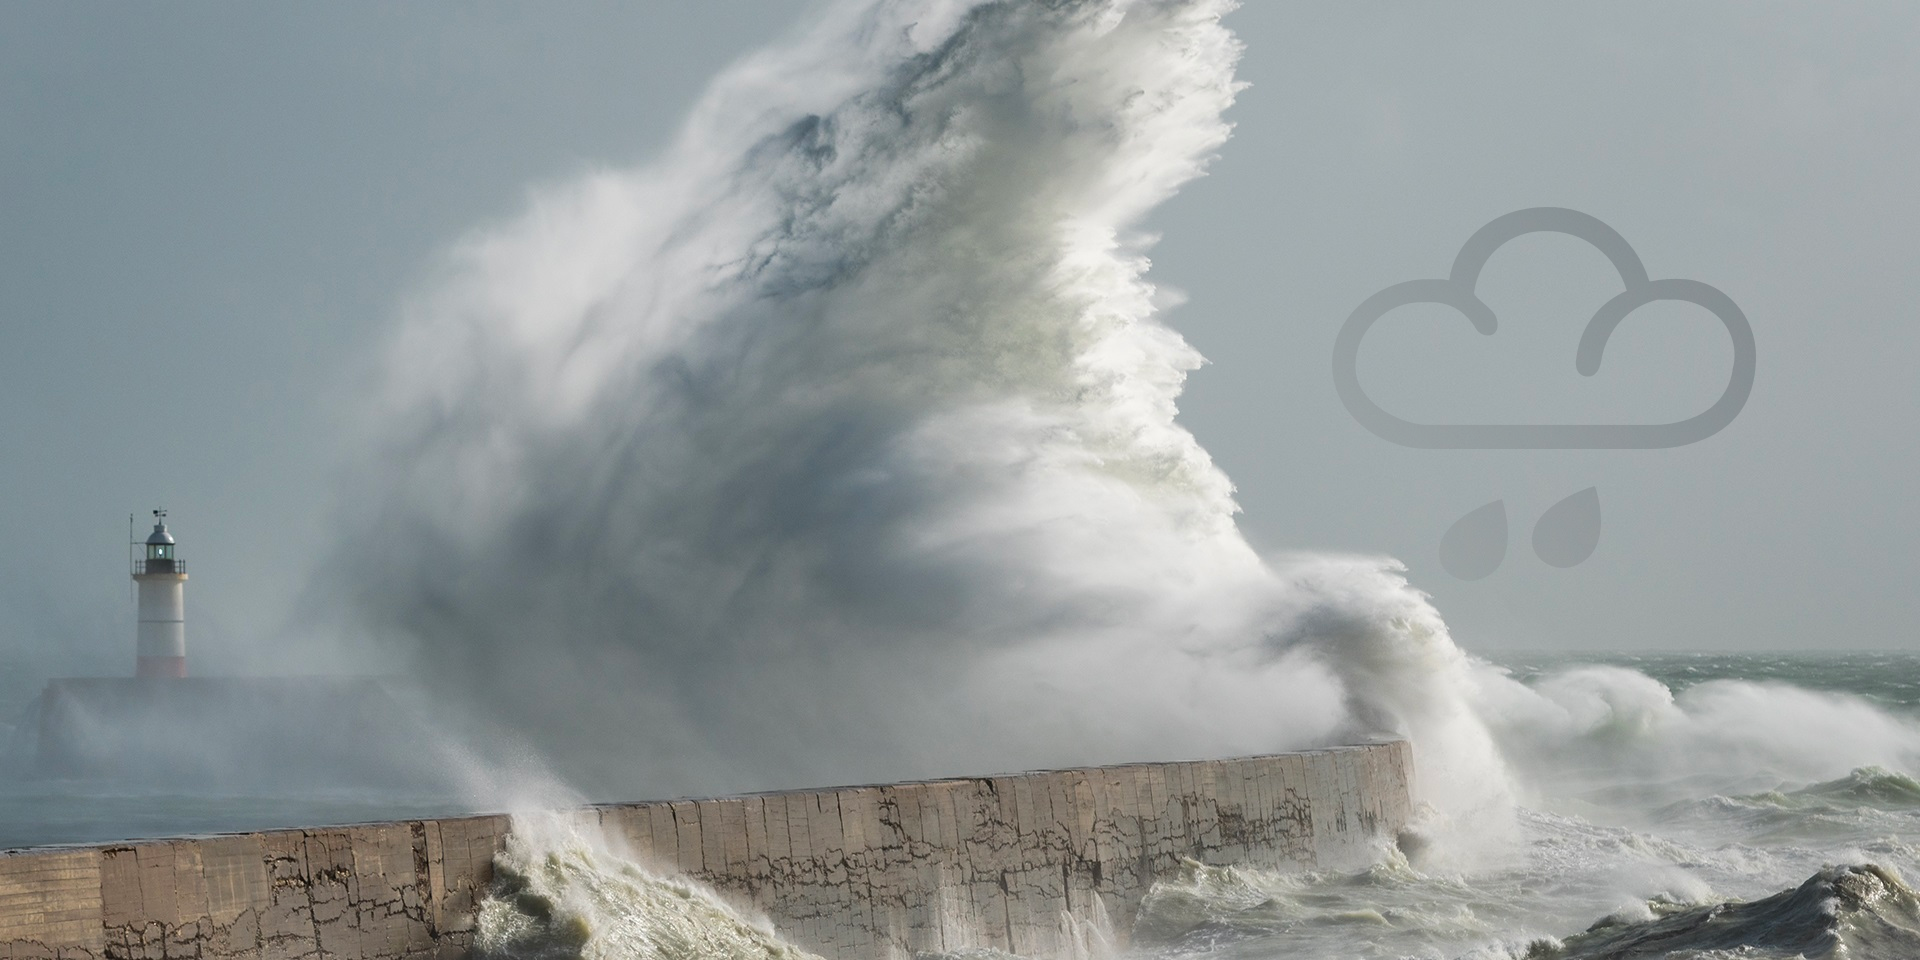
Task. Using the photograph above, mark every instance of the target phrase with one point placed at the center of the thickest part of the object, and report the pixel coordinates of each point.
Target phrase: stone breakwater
(1017, 863)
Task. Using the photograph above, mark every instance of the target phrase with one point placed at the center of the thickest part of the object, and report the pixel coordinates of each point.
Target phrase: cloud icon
(1457, 291)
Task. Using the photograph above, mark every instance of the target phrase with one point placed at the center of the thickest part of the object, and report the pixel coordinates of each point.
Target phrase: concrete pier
(861, 873)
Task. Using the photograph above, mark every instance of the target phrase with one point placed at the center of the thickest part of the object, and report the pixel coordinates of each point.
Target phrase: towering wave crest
(840, 443)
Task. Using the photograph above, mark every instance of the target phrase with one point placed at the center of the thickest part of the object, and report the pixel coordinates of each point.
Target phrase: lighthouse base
(161, 667)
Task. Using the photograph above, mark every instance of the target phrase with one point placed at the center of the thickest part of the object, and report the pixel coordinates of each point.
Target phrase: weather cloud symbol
(1457, 291)
(1569, 531)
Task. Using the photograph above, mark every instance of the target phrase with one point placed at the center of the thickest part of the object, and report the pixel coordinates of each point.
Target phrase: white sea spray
(849, 423)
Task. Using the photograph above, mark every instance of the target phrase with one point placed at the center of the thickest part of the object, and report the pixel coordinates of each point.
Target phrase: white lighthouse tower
(161, 638)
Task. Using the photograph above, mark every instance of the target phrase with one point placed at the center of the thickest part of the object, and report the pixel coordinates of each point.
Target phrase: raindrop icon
(1567, 533)
(1476, 543)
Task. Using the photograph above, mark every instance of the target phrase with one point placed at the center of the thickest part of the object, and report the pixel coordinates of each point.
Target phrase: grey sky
(210, 213)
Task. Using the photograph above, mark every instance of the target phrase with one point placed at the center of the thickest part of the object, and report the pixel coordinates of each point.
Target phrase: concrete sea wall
(864, 873)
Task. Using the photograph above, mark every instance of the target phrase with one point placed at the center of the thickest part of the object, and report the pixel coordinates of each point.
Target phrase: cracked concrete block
(801, 864)
(713, 854)
(171, 889)
(435, 843)
(946, 808)
(686, 829)
(828, 832)
(234, 872)
(663, 839)
(1048, 805)
(756, 855)
(1338, 848)
(773, 813)
(1020, 816)
(865, 873)
(731, 839)
(50, 901)
(1084, 811)
(852, 810)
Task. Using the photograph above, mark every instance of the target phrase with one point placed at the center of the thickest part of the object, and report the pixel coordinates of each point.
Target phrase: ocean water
(1620, 863)
(1887, 679)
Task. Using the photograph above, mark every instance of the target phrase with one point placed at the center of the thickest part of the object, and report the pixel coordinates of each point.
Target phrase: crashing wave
(560, 895)
(1875, 787)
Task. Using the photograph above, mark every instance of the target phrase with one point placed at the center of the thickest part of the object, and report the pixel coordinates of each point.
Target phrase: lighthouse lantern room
(161, 637)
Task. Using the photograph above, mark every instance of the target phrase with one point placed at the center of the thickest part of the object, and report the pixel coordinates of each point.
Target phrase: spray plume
(839, 443)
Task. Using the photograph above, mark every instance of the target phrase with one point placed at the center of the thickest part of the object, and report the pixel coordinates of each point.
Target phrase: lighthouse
(161, 637)
(162, 727)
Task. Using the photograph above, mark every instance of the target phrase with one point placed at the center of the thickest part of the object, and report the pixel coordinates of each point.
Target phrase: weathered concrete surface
(866, 873)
